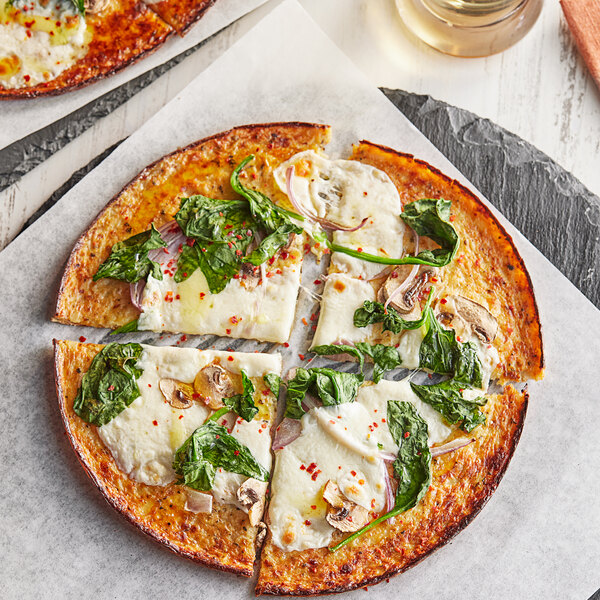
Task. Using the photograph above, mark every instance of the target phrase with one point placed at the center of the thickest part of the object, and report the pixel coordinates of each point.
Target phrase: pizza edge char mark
(120, 35)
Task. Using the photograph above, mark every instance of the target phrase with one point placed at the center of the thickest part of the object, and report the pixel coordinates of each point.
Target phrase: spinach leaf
(109, 386)
(412, 467)
(79, 5)
(273, 382)
(274, 220)
(440, 352)
(131, 326)
(209, 448)
(243, 404)
(129, 260)
(332, 387)
(222, 231)
(375, 312)
(446, 397)
(385, 358)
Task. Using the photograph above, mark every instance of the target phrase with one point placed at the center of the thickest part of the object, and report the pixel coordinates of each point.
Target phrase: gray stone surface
(552, 208)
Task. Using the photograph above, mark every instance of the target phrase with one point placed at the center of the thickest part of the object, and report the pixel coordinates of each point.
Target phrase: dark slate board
(552, 208)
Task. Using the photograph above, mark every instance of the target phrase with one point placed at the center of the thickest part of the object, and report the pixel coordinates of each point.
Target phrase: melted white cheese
(38, 44)
(342, 296)
(144, 437)
(264, 313)
(339, 443)
(345, 192)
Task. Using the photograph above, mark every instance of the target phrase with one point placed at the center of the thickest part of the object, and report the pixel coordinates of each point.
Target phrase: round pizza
(380, 301)
(49, 47)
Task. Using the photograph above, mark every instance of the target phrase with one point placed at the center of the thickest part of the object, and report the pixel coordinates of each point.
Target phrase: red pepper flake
(315, 475)
(238, 252)
(26, 77)
(230, 244)
(284, 255)
(178, 297)
(361, 482)
(155, 423)
(443, 301)
(181, 416)
(202, 294)
(82, 338)
(311, 467)
(149, 385)
(230, 358)
(270, 274)
(353, 473)
(407, 434)
(271, 260)
(217, 436)
(184, 338)
(169, 297)
(305, 321)
(301, 356)
(235, 320)
(383, 420)
(220, 214)
(190, 241)
(307, 523)
(238, 236)
(302, 468)
(365, 194)
(110, 388)
(228, 331)
(509, 330)
(373, 503)
(434, 280)
(313, 317)
(452, 217)
(228, 226)
(359, 249)
(313, 506)
(286, 345)
(236, 452)
(185, 274)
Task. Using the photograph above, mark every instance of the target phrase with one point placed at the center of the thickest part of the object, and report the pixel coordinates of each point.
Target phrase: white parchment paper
(538, 537)
(22, 117)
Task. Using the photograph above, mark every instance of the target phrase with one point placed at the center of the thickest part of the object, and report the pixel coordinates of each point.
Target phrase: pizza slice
(404, 230)
(370, 480)
(51, 47)
(180, 14)
(226, 257)
(176, 439)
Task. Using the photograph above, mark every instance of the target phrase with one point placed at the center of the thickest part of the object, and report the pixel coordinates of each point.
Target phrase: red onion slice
(381, 274)
(324, 223)
(390, 501)
(286, 433)
(451, 446)
(173, 236)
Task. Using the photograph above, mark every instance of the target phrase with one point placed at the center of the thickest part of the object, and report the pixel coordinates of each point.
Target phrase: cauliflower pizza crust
(487, 269)
(115, 34)
(223, 539)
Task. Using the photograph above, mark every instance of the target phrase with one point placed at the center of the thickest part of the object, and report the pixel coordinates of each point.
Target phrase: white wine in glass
(469, 27)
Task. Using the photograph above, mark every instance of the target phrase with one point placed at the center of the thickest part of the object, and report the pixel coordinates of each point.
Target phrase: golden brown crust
(487, 268)
(462, 482)
(181, 14)
(153, 197)
(223, 539)
(122, 34)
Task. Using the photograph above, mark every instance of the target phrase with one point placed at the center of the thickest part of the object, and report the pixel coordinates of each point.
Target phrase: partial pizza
(393, 441)
(176, 439)
(48, 47)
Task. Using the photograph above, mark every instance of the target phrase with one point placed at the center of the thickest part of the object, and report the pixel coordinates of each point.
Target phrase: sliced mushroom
(177, 393)
(260, 535)
(343, 514)
(250, 276)
(212, 384)
(197, 502)
(471, 316)
(251, 495)
(403, 285)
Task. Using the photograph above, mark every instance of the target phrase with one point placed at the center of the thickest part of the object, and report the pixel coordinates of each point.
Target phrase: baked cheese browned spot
(154, 196)
(487, 269)
(123, 32)
(223, 539)
(181, 14)
(462, 481)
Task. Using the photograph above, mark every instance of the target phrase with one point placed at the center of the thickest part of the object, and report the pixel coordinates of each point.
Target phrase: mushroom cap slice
(251, 495)
(198, 502)
(212, 384)
(343, 514)
(404, 285)
(250, 276)
(473, 317)
(176, 393)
